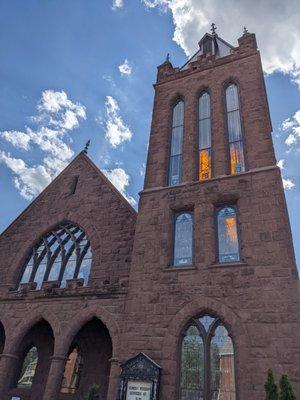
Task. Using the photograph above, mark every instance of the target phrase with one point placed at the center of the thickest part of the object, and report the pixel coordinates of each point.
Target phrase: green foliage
(286, 391)
(271, 387)
(94, 393)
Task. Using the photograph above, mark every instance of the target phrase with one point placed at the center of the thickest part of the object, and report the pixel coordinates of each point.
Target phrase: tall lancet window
(228, 242)
(183, 240)
(204, 137)
(234, 126)
(175, 163)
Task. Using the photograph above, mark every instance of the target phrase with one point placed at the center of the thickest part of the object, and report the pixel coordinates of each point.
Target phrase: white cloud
(57, 116)
(280, 164)
(116, 130)
(292, 125)
(276, 24)
(120, 179)
(288, 184)
(117, 4)
(125, 68)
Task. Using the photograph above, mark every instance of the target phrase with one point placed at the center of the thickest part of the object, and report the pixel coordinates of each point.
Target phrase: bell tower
(213, 260)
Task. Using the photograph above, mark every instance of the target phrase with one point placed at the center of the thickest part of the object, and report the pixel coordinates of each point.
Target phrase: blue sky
(73, 70)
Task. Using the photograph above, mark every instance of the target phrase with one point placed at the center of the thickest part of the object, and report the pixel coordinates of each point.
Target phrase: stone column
(55, 377)
(7, 368)
(114, 376)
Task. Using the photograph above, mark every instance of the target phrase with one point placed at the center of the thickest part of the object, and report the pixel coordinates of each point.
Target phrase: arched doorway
(32, 368)
(88, 362)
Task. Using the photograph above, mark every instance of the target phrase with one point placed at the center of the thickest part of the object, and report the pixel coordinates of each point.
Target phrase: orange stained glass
(231, 228)
(204, 164)
(233, 160)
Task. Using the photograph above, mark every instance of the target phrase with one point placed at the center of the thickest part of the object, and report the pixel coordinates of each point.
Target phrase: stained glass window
(228, 243)
(207, 361)
(183, 240)
(235, 137)
(204, 137)
(73, 368)
(175, 163)
(63, 253)
(28, 368)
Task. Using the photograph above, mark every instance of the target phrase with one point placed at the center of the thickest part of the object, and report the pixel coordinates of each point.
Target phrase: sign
(15, 398)
(138, 390)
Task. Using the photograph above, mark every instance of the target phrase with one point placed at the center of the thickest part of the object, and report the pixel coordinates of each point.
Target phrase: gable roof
(220, 48)
(81, 156)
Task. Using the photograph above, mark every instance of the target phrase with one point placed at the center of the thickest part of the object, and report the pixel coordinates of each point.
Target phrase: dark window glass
(175, 162)
(207, 361)
(183, 239)
(28, 368)
(64, 253)
(228, 244)
(204, 137)
(235, 137)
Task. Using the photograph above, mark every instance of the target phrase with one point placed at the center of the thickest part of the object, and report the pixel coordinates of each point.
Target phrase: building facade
(202, 279)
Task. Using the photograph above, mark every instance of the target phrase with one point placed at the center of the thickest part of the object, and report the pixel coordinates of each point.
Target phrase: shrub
(271, 387)
(286, 390)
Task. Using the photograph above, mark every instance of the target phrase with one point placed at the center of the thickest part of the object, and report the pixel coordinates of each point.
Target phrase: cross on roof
(213, 28)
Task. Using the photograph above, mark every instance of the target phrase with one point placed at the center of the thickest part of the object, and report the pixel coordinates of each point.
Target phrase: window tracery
(228, 243)
(63, 253)
(28, 368)
(175, 161)
(183, 239)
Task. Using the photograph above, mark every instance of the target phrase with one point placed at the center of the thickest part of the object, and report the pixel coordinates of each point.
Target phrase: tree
(286, 391)
(271, 387)
(94, 393)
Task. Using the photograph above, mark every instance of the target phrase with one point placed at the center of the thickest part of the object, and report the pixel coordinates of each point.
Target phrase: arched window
(228, 243)
(204, 137)
(207, 361)
(28, 368)
(73, 368)
(235, 136)
(183, 239)
(64, 253)
(175, 163)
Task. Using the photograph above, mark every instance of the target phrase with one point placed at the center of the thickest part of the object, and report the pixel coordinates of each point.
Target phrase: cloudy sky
(73, 70)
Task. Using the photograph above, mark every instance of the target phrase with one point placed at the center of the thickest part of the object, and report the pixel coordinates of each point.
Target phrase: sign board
(139, 379)
(138, 390)
(15, 398)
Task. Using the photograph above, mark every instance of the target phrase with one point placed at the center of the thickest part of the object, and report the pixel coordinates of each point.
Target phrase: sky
(74, 70)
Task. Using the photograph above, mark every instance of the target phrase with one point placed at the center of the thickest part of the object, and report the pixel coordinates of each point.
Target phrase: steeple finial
(245, 31)
(86, 147)
(168, 57)
(213, 28)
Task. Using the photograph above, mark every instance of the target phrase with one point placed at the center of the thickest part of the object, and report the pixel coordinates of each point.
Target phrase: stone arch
(29, 319)
(86, 315)
(172, 340)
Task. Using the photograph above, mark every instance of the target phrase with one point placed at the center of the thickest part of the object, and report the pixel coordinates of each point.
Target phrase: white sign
(138, 390)
(15, 398)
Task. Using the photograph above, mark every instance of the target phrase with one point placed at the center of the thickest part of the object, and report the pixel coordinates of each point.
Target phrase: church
(192, 297)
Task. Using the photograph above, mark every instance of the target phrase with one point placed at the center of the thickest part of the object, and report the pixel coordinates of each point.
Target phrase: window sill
(173, 268)
(229, 264)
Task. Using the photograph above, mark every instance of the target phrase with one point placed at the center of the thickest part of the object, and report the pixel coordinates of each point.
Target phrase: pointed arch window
(28, 368)
(207, 361)
(183, 239)
(63, 253)
(228, 242)
(204, 137)
(234, 127)
(175, 162)
(72, 373)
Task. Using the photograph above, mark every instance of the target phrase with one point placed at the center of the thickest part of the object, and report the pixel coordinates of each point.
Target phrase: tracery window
(175, 162)
(204, 137)
(63, 253)
(228, 242)
(234, 126)
(207, 361)
(183, 239)
(28, 368)
(73, 368)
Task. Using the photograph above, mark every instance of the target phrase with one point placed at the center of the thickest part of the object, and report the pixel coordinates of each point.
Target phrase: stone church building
(202, 279)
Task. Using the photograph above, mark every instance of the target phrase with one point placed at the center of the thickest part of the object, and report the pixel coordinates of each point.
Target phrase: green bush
(286, 391)
(94, 392)
(271, 387)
